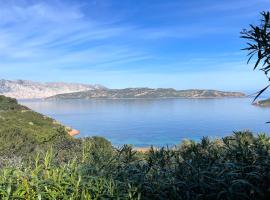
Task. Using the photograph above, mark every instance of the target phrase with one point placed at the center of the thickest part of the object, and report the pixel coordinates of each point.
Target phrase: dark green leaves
(258, 43)
(236, 167)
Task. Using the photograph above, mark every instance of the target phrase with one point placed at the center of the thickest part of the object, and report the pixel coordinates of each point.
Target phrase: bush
(235, 167)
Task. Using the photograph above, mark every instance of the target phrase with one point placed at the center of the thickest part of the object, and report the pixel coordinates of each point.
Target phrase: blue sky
(130, 43)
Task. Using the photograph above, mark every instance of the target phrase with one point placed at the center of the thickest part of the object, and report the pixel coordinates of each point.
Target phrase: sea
(157, 122)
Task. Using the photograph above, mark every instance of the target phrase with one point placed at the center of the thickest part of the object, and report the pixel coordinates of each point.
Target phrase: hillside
(23, 131)
(146, 93)
(22, 89)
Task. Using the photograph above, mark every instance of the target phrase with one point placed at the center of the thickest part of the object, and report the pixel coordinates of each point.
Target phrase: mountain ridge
(137, 93)
(25, 89)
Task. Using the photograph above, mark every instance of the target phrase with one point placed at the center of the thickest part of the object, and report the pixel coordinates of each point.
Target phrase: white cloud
(54, 33)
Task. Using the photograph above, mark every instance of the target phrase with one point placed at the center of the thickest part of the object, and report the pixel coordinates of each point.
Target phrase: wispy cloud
(58, 34)
(88, 38)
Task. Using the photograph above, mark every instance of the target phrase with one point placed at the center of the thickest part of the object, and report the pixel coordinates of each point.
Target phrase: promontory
(140, 93)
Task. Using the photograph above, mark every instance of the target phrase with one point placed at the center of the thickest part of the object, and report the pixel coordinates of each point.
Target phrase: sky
(130, 43)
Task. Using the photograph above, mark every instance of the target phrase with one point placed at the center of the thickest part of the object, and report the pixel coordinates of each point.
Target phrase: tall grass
(235, 167)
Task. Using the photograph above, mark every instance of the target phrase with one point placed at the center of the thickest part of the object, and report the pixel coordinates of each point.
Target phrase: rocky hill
(22, 89)
(146, 93)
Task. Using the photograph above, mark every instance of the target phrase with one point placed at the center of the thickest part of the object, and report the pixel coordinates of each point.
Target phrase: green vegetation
(8, 104)
(24, 132)
(39, 160)
(236, 167)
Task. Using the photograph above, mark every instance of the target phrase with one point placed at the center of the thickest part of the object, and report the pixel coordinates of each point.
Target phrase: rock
(73, 132)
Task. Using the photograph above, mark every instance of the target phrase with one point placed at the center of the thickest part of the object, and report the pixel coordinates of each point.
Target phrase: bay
(158, 122)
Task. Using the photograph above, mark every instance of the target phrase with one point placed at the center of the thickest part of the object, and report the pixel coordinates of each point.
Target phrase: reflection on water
(145, 122)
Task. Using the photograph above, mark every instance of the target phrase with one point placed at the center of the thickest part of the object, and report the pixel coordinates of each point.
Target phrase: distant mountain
(146, 93)
(22, 89)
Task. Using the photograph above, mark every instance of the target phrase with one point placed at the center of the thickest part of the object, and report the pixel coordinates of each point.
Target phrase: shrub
(235, 167)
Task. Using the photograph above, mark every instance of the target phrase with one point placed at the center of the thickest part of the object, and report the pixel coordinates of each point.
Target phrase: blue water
(158, 122)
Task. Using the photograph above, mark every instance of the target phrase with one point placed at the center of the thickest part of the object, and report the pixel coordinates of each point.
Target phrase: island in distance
(141, 93)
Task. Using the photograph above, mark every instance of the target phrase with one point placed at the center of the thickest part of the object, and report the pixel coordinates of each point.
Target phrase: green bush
(24, 132)
(235, 167)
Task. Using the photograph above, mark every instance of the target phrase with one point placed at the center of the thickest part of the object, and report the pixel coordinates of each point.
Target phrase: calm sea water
(145, 122)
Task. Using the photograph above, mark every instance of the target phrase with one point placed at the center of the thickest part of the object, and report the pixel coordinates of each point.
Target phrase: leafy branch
(258, 46)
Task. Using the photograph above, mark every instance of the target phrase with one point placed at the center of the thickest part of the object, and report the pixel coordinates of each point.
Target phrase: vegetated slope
(24, 132)
(22, 89)
(10, 104)
(146, 93)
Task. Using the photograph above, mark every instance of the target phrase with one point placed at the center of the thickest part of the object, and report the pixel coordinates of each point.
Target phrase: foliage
(7, 103)
(235, 167)
(259, 44)
(24, 132)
